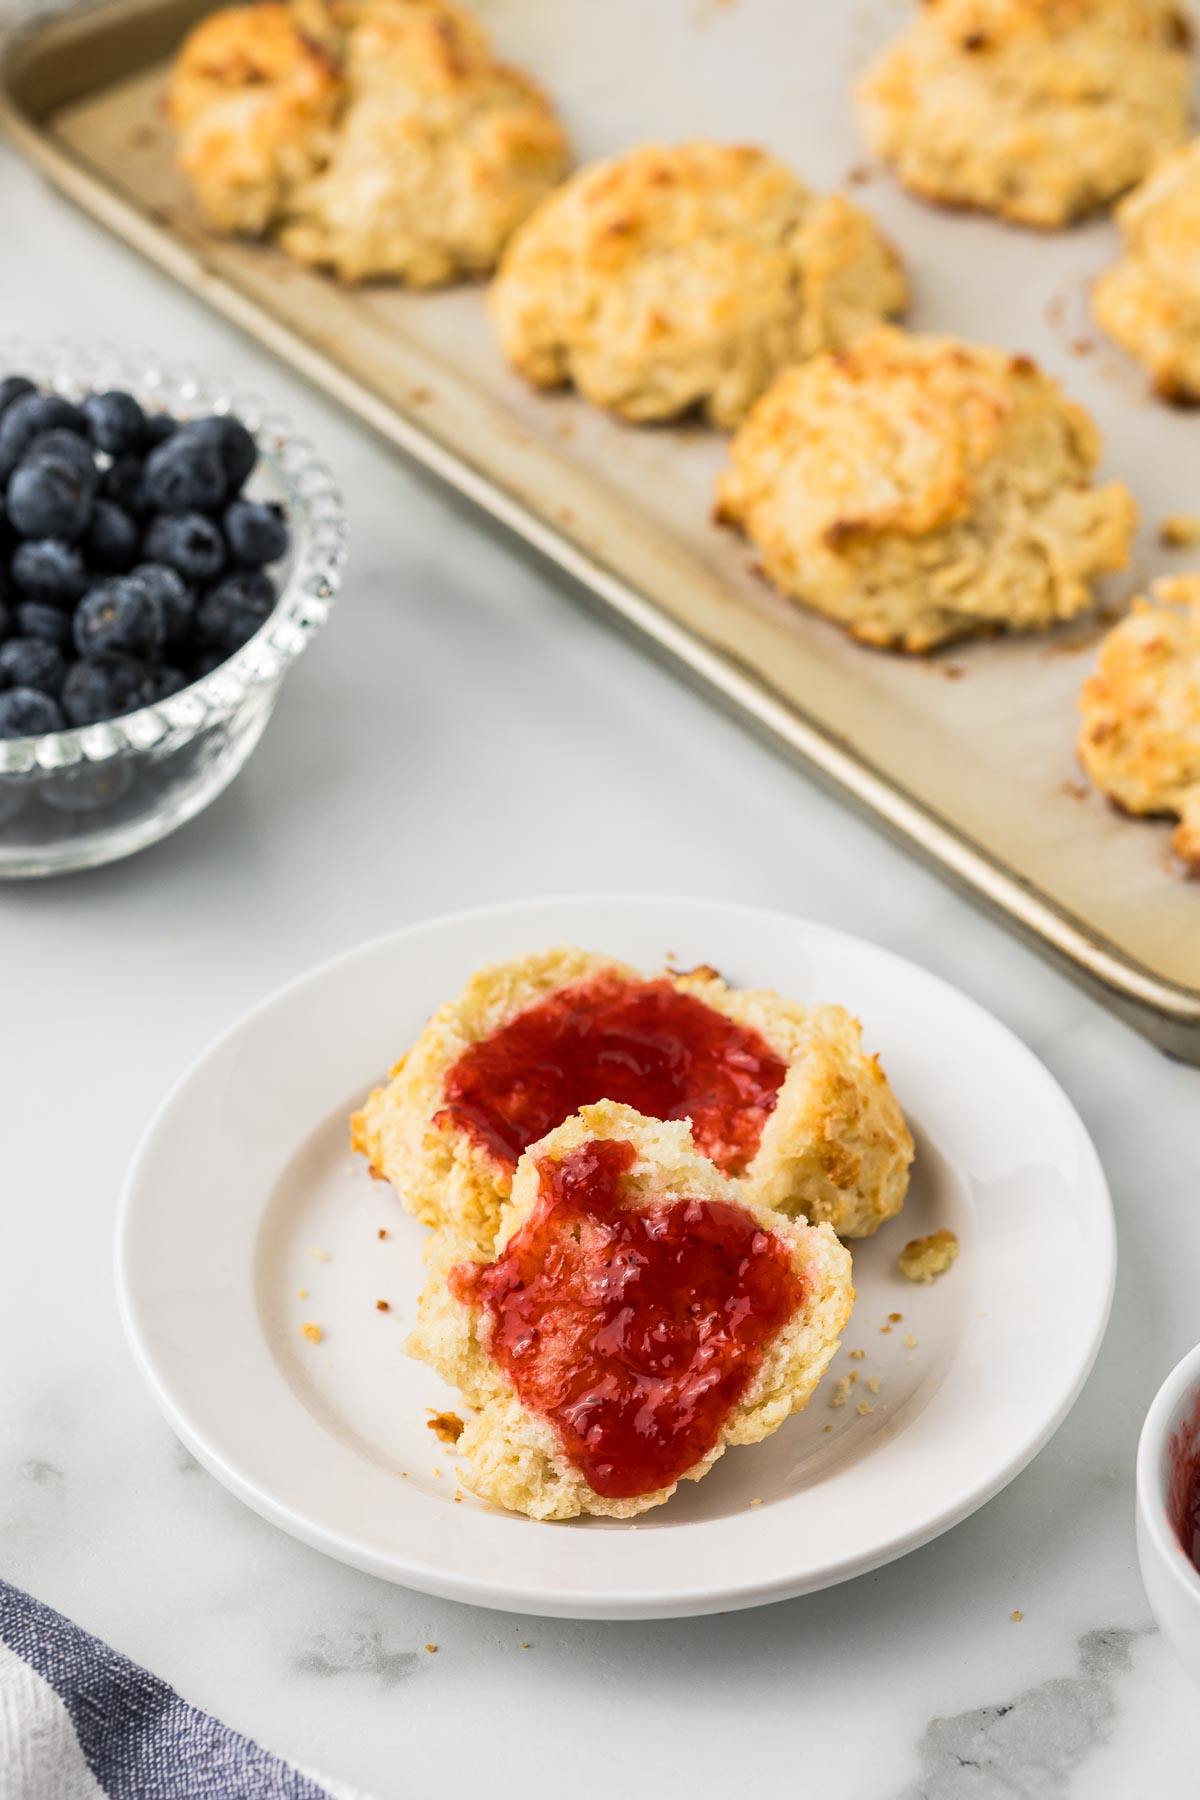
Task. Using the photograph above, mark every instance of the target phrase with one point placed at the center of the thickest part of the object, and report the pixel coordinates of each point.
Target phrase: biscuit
(830, 1144)
(1040, 111)
(377, 138)
(917, 490)
(546, 1459)
(1149, 301)
(254, 101)
(1140, 739)
(686, 277)
(441, 153)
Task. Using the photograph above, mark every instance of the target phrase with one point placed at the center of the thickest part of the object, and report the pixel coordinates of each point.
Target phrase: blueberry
(24, 712)
(122, 482)
(29, 662)
(116, 422)
(233, 443)
(29, 415)
(188, 542)
(37, 620)
(12, 388)
(233, 611)
(161, 683)
(48, 500)
(111, 541)
(102, 687)
(120, 617)
(256, 534)
(159, 427)
(176, 599)
(184, 475)
(47, 569)
(63, 446)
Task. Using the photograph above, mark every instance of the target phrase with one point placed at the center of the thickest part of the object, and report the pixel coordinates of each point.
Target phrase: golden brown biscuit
(379, 137)
(509, 1350)
(830, 1143)
(687, 276)
(441, 153)
(918, 489)
(1150, 300)
(1038, 110)
(254, 101)
(1140, 740)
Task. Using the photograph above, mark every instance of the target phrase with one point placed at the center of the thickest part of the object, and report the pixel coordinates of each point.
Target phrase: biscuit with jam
(640, 1313)
(780, 1095)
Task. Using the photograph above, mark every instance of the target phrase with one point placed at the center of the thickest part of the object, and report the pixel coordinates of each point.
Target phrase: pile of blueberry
(130, 564)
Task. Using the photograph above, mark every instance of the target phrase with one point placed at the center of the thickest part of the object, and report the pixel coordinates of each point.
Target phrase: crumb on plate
(924, 1259)
(312, 1332)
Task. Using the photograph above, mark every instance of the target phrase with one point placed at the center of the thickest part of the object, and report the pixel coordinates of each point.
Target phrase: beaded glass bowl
(77, 798)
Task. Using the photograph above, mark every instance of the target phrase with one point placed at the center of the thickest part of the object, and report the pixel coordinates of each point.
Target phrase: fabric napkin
(80, 1722)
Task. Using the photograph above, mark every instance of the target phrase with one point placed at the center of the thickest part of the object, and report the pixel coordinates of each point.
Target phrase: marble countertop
(913, 1682)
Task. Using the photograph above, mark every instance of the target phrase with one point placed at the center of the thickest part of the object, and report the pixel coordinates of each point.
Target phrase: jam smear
(1183, 1487)
(634, 1333)
(637, 1042)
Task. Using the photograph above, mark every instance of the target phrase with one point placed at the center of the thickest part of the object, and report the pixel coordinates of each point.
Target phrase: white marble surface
(398, 780)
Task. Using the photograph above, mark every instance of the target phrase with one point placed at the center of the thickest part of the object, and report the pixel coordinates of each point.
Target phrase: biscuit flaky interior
(376, 138)
(1140, 737)
(835, 1148)
(685, 276)
(919, 489)
(1149, 301)
(512, 1455)
(1038, 110)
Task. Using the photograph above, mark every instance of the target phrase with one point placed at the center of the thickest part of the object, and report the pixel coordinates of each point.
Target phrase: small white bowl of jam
(1168, 1509)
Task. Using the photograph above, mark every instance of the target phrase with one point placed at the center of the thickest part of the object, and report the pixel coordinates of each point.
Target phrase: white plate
(245, 1172)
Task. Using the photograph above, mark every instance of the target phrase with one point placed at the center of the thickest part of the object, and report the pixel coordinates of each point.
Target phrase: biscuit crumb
(857, 1355)
(873, 1384)
(313, 1333)
(381, 1233)
(827, 1428)
(1018, 1615)
(910, 1342)
(756, 1503)
(895, 1318)
(842, 1390)
(864, 1407)
(1179, 531)
(885, 1331)
(319, 1255)
(383, 1306)
(924, 1259)
(447, 1428)
(432, 1649)
(1076, 790)
(525, 1646)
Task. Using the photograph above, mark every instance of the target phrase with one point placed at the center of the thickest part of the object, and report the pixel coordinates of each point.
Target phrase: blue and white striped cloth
(79, 1722)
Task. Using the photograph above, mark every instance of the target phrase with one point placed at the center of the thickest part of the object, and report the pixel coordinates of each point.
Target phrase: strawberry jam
(634, 1333)
(638, 1042)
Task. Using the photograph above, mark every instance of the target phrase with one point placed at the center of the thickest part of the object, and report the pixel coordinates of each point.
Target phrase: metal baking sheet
(968, 756)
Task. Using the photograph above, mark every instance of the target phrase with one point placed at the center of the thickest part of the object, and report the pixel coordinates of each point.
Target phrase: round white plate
(245, 1218)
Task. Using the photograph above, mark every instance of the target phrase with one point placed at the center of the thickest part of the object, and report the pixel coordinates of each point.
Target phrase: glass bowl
(75, 799)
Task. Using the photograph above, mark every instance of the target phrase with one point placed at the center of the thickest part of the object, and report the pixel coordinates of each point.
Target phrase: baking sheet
(968, 755)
